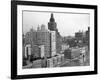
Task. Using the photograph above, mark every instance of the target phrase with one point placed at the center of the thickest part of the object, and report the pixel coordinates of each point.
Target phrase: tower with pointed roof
(55, 43)
(52, 24)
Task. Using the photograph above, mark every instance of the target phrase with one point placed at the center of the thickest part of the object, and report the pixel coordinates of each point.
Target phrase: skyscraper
(52, 26)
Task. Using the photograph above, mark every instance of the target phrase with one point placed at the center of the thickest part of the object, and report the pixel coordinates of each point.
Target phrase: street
(71, 63)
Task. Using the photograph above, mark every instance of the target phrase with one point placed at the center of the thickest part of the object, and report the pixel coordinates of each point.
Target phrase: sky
(67, 23)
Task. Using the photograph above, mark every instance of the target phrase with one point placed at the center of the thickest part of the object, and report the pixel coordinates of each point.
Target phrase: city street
(71, 63)
(75, 62)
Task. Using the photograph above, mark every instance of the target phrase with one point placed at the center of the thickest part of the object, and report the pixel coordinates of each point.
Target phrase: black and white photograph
(53, 39)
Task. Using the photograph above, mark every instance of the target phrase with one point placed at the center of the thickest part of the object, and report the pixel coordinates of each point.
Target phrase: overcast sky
(67, 23)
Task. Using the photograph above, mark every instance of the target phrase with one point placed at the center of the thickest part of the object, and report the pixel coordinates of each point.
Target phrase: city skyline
(67, 23)
(46, 48)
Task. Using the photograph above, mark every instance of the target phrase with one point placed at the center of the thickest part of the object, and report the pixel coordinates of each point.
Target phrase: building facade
(37, 38)
(43, 38)
(52, 26)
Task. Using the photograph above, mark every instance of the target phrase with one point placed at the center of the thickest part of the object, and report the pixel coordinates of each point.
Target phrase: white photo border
(21, 71)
